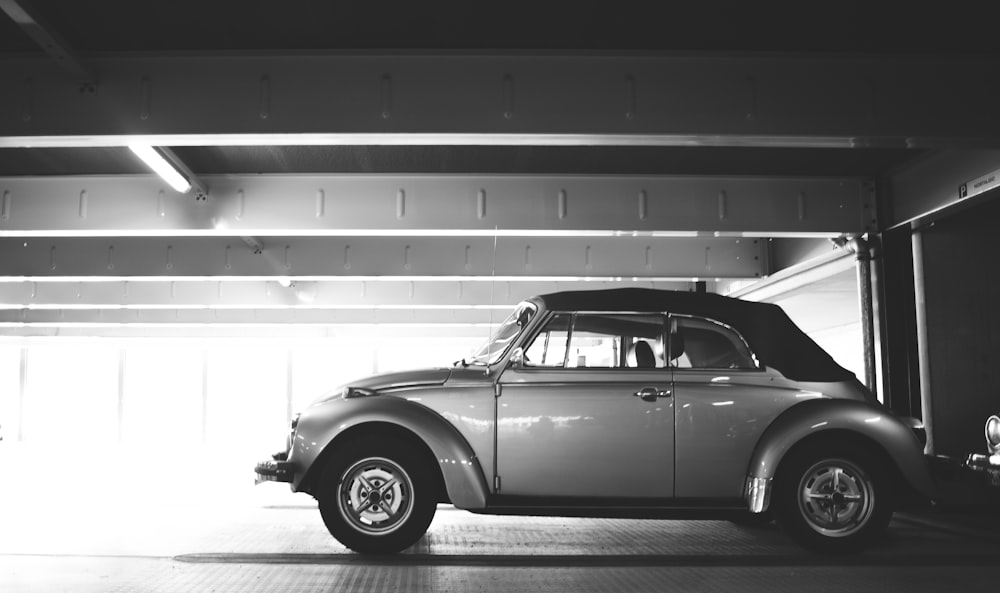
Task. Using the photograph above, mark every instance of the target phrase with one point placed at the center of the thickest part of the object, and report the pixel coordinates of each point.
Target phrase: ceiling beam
(366, 257)
(335, 317)
(681, 100)
(265, 308)
(939, 184)
(465, 335)
(481, 205)
(51, 42)
(268, 294)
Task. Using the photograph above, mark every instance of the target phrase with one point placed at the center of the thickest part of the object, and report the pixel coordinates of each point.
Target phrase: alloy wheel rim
(836, 498)
(376, 496)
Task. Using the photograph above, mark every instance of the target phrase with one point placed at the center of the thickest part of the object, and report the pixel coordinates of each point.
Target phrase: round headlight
(993, 433)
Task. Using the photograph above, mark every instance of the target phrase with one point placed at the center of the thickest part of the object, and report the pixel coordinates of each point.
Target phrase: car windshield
(511, 327)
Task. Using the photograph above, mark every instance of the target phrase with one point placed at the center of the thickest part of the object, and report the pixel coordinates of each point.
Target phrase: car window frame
(528, 340)
(758, 366)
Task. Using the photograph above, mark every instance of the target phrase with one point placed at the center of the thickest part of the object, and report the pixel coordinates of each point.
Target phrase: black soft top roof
(773, 337)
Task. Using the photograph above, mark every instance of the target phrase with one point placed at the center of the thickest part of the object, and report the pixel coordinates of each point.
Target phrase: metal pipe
(923, 353)
(862, 251)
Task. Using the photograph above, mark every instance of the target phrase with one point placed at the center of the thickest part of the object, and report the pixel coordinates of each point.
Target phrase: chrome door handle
(650, 394)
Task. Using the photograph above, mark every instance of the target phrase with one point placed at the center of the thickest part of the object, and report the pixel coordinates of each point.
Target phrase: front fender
(320, 426)
(818, 416)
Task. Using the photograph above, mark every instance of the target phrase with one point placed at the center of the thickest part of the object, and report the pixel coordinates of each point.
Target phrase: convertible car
(613, 403)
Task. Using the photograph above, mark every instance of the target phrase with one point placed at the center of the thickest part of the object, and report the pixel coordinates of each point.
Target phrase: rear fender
(320, 428)
(818, 416)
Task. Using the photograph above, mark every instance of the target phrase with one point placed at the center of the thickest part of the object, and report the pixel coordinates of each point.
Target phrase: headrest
(641, 356)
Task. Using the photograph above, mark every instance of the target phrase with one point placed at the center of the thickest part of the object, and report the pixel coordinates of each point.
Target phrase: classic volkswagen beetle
(613, 403)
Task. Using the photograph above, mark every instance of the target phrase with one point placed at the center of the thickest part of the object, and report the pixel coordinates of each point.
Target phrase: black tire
(377, 495)
(833, 499)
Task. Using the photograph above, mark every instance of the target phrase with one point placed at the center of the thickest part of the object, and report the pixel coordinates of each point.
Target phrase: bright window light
(165, 170)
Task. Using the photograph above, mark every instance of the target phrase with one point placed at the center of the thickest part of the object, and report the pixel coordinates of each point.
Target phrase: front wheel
(833, 501)
(377, 496)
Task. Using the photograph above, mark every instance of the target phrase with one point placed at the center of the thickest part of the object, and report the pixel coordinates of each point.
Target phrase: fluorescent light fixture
(164, 169)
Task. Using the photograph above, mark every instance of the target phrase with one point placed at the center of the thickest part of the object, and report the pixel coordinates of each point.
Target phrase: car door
(585, 416)
(724, 402)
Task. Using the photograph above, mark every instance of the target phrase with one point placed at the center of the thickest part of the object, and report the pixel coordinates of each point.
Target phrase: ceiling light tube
(163, 168)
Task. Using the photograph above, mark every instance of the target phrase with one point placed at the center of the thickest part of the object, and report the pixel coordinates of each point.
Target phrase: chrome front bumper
(274, 470)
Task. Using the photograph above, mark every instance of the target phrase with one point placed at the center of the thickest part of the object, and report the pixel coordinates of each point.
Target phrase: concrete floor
(159, 526)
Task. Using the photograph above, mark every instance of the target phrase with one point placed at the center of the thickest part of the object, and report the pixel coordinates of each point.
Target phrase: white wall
(180, 394)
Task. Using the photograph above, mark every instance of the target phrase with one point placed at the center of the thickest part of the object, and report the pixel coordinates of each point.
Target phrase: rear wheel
(377, 496)
(834, 501)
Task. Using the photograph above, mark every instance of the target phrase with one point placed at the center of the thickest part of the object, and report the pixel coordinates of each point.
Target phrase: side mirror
(517, 358)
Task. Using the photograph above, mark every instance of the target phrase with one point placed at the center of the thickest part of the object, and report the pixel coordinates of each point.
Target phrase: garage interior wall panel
(162, 397)
(962, 289)
(247, 394)
(72, 395)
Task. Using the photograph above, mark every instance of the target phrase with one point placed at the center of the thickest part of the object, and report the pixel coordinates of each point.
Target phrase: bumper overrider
(987, 465)
(276, 469)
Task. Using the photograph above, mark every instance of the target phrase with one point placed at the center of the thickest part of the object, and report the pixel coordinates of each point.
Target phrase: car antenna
(493, 281)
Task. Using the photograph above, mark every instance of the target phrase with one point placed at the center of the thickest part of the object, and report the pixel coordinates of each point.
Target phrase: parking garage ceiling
(771, 31)
(851, 26)
(349, 143)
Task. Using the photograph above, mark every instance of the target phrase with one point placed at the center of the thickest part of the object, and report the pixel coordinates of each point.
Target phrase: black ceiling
(270, 26)
(865, 26)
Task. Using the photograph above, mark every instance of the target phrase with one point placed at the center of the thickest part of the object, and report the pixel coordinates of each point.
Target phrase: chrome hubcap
(376, 496)
(836, 497)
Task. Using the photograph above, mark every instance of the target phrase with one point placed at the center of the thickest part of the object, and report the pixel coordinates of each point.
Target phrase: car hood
(458, 376)
(388, 381)
(411, 378)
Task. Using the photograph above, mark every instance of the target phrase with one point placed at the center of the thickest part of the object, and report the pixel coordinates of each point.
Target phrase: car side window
(704, 344)
(548, 349)
(599, 340)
